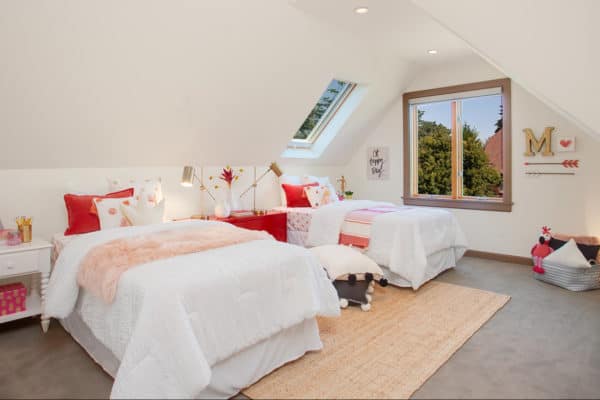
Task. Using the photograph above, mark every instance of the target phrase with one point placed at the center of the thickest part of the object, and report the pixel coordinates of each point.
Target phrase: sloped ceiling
(398, 35)
(550, 47)
(113, 83)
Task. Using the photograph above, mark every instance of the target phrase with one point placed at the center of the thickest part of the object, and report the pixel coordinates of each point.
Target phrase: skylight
(322, 113)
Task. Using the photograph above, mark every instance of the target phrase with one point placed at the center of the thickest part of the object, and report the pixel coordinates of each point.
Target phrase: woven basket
(575, 279)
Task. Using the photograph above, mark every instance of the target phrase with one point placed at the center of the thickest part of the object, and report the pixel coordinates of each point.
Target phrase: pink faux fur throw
(102, 267)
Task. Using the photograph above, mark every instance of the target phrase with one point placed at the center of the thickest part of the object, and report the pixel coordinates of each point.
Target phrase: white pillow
(288, 180)
(340, 261)
(110, 214)
(318, 195)
(568, 255)
(148, 190)
(323, 181)
(143, 213)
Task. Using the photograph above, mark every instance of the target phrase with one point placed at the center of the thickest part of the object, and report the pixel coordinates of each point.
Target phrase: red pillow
(295, 195)
(81, 220)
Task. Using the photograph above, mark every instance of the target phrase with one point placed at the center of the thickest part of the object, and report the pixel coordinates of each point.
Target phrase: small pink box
(13, 238)
(12, 298)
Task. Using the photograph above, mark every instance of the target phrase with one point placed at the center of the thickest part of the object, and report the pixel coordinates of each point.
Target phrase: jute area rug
(388, 352)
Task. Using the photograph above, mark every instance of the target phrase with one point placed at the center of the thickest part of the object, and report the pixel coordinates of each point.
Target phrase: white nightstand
(28, 259)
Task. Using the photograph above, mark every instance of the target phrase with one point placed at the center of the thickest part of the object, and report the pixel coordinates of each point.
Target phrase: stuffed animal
(352, 273)
(357, 289)
(541, 250)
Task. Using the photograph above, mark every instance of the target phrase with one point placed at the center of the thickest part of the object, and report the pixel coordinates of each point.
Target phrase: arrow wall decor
(565, 163)
(548, 173)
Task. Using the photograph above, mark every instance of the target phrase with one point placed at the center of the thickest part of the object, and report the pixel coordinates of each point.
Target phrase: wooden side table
(28, 259)
(274, 222)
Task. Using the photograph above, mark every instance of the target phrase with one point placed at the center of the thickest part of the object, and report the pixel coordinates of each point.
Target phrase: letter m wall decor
(543, 145)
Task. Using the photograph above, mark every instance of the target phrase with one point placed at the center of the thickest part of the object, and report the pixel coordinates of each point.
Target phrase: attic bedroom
(299, 199)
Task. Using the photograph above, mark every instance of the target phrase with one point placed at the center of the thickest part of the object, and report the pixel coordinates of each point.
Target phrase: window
(322, 113)
(457, 146)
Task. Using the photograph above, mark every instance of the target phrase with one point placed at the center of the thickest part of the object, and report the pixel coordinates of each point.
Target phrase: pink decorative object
(12, 298)
(566, 144)
(13, 238)
(541, 250)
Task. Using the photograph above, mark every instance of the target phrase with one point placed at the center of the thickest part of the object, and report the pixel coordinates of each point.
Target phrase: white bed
(174, 331)
(411, 244)
(229, 376)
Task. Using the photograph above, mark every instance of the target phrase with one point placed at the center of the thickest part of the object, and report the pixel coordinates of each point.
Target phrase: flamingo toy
(541, 250)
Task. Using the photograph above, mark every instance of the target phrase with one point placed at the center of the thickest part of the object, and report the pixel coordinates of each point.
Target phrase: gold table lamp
(273, 167)
(187, 180)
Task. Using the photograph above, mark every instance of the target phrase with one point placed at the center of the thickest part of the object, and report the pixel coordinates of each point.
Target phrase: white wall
(98, 84)
(547, 46)
(565, 203)
(39, 192)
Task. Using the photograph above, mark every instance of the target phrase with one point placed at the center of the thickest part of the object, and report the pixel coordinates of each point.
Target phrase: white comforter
(173, 319)
(403, 240)
(400, 240)
(326, 222)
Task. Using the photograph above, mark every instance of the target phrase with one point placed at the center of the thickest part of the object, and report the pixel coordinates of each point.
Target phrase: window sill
(466, 204)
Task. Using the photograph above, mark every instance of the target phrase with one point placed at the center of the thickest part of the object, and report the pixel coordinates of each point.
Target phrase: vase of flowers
(224, 207)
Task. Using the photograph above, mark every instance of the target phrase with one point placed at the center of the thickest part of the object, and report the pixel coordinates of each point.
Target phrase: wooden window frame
(502, 204)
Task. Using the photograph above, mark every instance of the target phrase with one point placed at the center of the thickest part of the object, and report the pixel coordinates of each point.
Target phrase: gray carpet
(545, 343)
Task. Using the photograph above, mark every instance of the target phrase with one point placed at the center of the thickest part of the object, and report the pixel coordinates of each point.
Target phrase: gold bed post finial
(342, 181)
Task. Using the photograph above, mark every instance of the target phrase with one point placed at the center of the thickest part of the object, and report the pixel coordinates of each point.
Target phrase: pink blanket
(103, 266)
(360, 236)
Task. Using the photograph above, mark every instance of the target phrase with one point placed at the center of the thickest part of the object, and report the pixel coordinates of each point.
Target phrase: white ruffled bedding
(173, 319)
(401, 240)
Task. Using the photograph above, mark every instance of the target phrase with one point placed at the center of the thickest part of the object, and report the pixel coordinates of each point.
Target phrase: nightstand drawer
(19, 263)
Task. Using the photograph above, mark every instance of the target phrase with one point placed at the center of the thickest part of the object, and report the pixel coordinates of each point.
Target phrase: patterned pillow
(148, 190)
(318, 195)
(324, 181)
(110, 214)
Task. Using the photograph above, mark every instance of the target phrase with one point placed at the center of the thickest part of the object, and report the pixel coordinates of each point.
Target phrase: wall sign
(378, 159)
(533, 145)
(566, 144)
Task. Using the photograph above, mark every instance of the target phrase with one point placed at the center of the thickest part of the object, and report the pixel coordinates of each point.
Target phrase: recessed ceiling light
(432, 51)
(361, 10)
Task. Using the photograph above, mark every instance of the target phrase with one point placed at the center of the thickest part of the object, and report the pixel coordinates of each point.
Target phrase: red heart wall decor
(565, 143)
